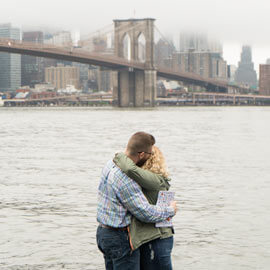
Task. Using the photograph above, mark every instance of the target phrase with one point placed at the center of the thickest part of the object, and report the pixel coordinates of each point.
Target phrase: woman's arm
(145, 178)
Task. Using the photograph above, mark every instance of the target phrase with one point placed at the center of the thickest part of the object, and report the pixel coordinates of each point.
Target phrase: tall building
(264, 81)
(245, 74)
(100, 80)
(61, 76)
(231, 72)
(10, 64)
(59, 39)
(32, 67)
(199, 42)
(201, 55)
(219, 67)
(83, 71)
(163, 53)
(205, 64)
(48, 62)
(99, 44)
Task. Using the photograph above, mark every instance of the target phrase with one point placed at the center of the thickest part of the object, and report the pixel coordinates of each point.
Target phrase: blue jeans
(114, 244)
(156, 254)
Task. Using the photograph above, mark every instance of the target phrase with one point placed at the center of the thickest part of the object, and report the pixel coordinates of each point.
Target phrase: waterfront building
(264, 80)
(245, 74)
(10, 64)
(61, 76)
(32, 67)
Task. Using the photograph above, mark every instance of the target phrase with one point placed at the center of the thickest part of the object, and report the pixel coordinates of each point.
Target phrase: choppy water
(50, 163)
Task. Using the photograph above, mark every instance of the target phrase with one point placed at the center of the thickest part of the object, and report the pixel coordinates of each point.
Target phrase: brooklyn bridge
(135, 72)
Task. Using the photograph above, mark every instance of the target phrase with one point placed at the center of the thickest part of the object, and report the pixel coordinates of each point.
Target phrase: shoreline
(133, 107)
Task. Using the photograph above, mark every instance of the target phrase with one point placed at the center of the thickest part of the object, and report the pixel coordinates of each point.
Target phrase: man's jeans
(156, 254)
(114, 244)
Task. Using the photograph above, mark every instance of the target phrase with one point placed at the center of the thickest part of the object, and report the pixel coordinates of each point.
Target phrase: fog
(233, 22)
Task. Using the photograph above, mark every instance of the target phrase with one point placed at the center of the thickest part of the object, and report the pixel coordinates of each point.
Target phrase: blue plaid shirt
(119, 197)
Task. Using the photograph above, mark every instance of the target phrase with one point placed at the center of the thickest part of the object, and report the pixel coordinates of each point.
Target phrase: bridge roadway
(103, 60)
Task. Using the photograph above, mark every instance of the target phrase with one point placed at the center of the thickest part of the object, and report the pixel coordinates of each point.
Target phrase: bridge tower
(135, 88)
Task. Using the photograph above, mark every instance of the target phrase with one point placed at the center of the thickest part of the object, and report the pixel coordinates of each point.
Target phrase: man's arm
(131, 196)
(146, 179)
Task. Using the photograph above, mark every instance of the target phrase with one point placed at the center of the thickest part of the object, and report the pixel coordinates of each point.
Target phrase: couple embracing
(127, 212)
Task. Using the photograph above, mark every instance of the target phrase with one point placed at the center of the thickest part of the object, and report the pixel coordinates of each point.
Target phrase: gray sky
(234, 22)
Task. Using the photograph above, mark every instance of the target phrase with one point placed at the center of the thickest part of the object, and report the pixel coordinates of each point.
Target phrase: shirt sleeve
(132, 197)
(146, 179)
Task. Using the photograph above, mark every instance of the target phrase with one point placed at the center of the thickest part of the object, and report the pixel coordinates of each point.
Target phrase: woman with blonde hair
(155, 243)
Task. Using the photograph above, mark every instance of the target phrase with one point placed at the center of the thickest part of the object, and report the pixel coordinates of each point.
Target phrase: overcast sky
(234, 22)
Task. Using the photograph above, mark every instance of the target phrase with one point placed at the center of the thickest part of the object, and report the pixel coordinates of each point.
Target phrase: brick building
(264, 80)
(61, 76)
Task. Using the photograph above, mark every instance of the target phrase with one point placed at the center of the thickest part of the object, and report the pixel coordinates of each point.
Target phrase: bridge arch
(141, 47)
(135, 87)
(139, 31)
(126, 45)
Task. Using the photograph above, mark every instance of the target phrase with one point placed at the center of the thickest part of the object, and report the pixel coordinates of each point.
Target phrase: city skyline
(234, 23)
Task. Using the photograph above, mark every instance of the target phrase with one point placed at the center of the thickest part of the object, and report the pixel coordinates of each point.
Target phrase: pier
(188, 99)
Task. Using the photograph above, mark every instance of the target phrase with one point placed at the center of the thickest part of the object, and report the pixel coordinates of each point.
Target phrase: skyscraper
(32, 67)
(205, 64)
(163, 52)
(199, 42)
(201, 55)
(10, 64)
(245, 73)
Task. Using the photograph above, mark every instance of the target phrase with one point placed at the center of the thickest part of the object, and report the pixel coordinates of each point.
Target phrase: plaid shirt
(119, 197)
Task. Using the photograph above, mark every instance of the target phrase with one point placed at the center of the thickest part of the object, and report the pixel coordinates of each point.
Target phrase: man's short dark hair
(140, 142)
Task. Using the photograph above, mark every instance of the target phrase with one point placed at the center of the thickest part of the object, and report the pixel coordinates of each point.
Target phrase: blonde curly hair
(156, 163)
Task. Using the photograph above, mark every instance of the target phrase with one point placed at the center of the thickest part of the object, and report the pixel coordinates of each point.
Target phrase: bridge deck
(104, 60)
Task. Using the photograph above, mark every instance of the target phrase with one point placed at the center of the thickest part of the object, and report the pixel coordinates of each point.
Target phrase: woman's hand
(173, 204)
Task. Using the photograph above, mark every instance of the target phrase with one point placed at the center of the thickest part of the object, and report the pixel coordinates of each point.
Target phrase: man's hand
(173, 204)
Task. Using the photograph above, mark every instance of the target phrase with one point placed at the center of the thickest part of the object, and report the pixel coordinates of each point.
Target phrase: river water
(50, 163)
